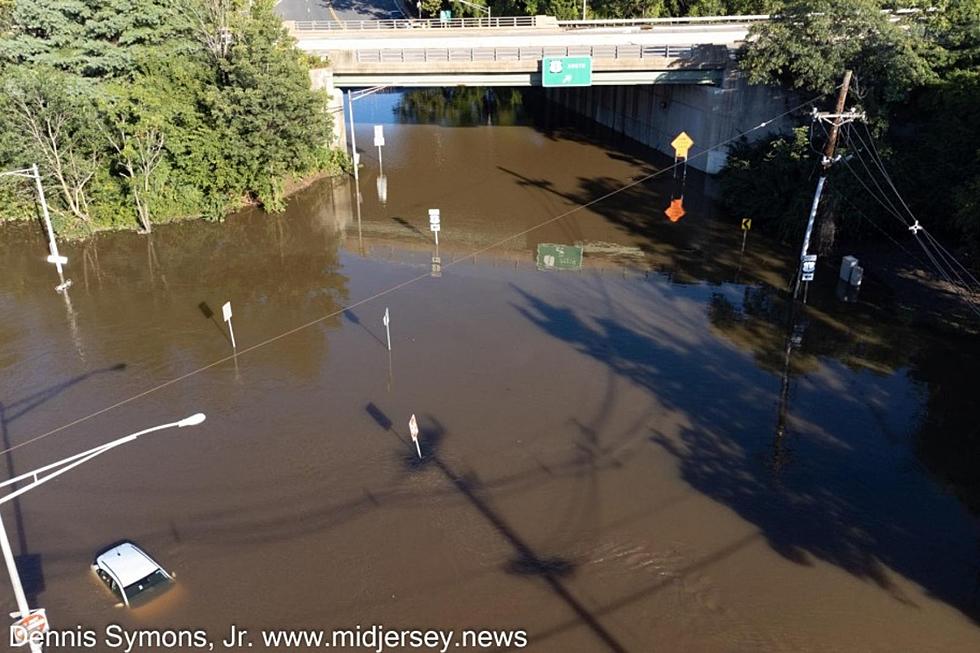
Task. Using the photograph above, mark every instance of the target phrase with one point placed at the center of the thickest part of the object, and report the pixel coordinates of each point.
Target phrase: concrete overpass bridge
(651, 78)
(507, 51)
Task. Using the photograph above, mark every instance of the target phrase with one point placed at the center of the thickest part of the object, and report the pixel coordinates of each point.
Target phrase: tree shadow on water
(844, 500)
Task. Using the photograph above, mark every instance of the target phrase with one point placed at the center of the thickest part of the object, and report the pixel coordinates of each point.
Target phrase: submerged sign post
(226, 314)
(559, 257)
(809, 267)
(566, 71)
(386, 321)
(29, 630)
(413, 428)
(379, 141)
(434, 224)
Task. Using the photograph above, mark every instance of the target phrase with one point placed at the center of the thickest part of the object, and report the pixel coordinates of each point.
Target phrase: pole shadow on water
(30, 565)
(527, 562)
(209, 315)
(352, 317)
(411, 227)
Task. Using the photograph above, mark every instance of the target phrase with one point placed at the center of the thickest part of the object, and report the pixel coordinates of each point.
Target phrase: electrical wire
(942, 260)
(409, 282)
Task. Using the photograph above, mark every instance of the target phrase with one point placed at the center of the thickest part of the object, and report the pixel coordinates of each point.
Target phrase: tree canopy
(918, 78)
(146, 110)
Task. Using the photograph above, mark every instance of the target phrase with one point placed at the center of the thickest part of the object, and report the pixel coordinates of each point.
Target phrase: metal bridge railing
(413, 23)
(654, 22)
(503, 54)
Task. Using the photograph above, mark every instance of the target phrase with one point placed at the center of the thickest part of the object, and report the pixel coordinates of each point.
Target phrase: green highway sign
(566, 71)
(559, 257)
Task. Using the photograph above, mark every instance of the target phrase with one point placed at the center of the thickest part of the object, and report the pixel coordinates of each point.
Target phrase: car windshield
(140, 586)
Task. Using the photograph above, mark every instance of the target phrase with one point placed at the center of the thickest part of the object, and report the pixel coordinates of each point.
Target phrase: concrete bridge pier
(322, 79)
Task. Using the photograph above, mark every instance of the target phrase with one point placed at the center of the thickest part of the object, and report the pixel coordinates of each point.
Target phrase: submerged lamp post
(53, 255)
(34, 621)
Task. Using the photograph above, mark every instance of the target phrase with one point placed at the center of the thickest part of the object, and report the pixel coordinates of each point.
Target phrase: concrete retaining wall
(655, 114)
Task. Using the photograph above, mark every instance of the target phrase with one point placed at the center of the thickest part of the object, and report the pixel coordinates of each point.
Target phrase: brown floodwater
(617, 458)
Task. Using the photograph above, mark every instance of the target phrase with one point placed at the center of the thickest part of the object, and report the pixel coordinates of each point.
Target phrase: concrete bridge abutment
(654, 114)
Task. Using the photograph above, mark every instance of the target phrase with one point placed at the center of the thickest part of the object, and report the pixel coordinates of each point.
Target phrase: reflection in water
(603, 470)
(463, 106)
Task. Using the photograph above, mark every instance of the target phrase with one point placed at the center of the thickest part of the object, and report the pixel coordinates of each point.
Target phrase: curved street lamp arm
(72, 462)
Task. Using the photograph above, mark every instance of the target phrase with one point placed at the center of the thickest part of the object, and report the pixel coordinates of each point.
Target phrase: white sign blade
(385, 318)
(226, 311)
(379, 135)
(413, 428)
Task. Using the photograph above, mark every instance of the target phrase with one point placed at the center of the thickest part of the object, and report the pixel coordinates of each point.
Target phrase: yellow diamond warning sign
(681, 145)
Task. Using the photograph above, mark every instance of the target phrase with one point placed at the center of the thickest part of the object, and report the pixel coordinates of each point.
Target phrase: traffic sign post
(413, 428)
(379, 141)
(675, 211)
(809, 266)
(746, 227)
(226, 314)
(566, 71)
(386, 320)
(559, 257)
(434, 225)
(29, 629)
(681, 145)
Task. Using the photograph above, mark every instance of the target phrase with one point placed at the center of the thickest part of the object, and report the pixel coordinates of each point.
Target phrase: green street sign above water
(566, 71)
(559, 257)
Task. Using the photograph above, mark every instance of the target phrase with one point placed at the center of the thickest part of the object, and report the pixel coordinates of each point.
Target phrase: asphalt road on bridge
(339, 9)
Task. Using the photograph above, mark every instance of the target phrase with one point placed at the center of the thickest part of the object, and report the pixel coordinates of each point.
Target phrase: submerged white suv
(129, 572)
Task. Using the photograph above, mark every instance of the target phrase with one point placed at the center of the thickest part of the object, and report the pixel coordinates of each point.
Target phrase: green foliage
(919, 79)
(48, 117)
(140, 111)
(811, 42)
(768, 181)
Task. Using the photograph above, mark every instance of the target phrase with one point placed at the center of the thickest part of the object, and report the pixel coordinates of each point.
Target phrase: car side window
(109, 582)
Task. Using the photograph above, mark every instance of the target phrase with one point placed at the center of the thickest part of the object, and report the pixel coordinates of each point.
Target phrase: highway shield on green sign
(566, 71)
(559, 257)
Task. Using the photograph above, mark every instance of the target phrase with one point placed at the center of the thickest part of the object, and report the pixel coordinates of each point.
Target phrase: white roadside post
(226, 314)
(413, 428)
(379, 141)
(35, 621)
(353, 139)
(434, 225)
(386, 320)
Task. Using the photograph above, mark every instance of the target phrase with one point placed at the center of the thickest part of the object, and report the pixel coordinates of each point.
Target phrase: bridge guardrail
(417, 23)
(523, 53)
(653, 22)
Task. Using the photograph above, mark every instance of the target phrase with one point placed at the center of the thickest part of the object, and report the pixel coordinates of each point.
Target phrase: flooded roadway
(609, 460)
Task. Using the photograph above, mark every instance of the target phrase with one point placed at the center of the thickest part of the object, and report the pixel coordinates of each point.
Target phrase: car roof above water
(128, 563)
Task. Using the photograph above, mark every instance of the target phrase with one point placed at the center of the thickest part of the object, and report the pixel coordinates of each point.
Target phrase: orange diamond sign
(681, 145)
(676, 210)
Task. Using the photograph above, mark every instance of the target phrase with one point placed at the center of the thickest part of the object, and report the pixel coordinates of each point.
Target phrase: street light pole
(54, 256)
(51, 471)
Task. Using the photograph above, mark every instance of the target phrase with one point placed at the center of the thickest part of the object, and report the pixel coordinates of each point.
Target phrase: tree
(95, 38)
(810, 43)
(135, 120)
(769, 181)
(51, 114)
(272, 124)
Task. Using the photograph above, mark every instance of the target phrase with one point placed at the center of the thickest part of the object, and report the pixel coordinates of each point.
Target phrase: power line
(408, 282)
(944, 262)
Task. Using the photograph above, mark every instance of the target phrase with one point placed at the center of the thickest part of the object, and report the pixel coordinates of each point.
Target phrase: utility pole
(838, 118)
